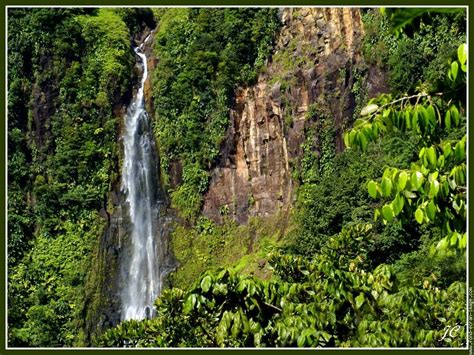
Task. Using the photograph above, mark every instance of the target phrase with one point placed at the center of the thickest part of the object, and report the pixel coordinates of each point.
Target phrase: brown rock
(253, 176)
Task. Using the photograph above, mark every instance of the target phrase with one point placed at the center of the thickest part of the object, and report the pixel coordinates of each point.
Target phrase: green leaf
(402, 180)
(454, 239)
(360, 300)
(376, 214)
(463, 241)
(447, 120)
(363, 141)
(367, 131)
(459, 151)
(446, 149)
(387, 213)
(422, 118)
(372, 187)
(431, 211)
(442, 244)
(386, 186)
(206, 283)
(226, 319)
(301, 340)
(419, 215)
(454, 70)
(219, 289)
(454, 115)
(408, 119)
(346, 140)
(397, 204)
(422, 152)
(431, 115)
(190, 303)
(414, 124)
(462, 53)
(441, 161)
(417, 179)
(235, 330)
(459, 175)
(352, 137)
(431, 154)
(434, 188)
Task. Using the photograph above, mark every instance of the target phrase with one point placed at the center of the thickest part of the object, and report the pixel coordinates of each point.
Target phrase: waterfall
(143, 259)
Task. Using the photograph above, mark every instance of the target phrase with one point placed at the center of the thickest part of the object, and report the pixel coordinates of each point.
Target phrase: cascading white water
(142, 267)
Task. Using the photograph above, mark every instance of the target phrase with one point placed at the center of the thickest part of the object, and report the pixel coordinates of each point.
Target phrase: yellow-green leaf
(463, 241)
(397, 204)
(363, 141)
(360, 300)
(454, 70)
(372, 187)
(417, 179)
(419, 215)
(454, 115)
(346, 140)
(462, 53)
(386, 186)
(447, 120)
(431, 154)
(434, 188)
(402, 180)
(459, 151)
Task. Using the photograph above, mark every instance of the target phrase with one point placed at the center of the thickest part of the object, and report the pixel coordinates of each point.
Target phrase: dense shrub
(203, 54)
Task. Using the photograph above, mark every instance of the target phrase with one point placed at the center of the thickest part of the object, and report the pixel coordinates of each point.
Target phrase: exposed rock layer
(314, 60)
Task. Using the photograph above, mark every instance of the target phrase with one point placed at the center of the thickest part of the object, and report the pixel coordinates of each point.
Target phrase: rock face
(316, 55)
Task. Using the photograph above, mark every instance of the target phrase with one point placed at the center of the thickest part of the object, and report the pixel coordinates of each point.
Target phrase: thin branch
(272, 306)
(406, 98)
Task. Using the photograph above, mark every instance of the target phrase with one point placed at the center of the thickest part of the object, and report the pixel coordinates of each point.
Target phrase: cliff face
(315, 58)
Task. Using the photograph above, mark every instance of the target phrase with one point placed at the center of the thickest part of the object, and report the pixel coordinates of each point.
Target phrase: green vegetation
(203, 54)
(208, 246)
(344, 279)
(372, 254)
(67, 70)
(331, 300)
(433, 190)
(47, 289)
(415, 55)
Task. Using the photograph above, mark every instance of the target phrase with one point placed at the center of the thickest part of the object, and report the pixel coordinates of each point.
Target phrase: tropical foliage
(373, 251)
(68, 69)
(331, 300)
(341, 293)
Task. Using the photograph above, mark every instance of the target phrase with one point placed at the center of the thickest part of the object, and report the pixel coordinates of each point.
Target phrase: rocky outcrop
(315, 57)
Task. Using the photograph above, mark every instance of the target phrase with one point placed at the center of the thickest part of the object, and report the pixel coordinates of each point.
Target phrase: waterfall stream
(143, 259)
